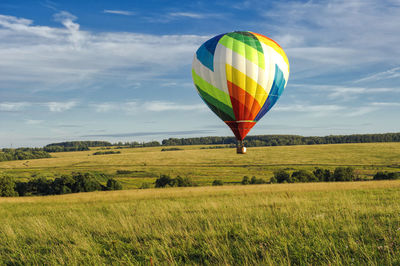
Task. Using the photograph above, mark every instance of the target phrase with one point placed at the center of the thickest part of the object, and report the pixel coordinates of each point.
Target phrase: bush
(181, 182)
(163, 181)
(386, 176)
(113, 184)
(63, 185)
(166, 180)
(303, 176)
(281, 176)
(218, 182)
(273, 180)
(7, 187)
(245, 180)
(145, 185)
(171, 149)
(85, 183)
(124, 172)
(106, 152)
(344, 174)
(255, 180)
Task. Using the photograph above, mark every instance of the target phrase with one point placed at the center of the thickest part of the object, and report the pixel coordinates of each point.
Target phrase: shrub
(63, 185)
(273, 180)
(281, 176)
(245, 180)
(145, 185)
(303, 176)
(85, 183)
(181, 182)
(166, 180)
(255, 180)
(344, 174)
(218, 182)
(7, 187)
(171, 149)
(163, 181)
(113, 184)
(124, 172)
(386, 176)
(106, 152)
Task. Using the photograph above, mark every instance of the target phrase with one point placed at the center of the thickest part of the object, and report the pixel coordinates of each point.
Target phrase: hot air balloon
(240, 76)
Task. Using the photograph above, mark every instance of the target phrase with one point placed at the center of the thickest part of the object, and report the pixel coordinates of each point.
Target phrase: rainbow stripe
(240, 76)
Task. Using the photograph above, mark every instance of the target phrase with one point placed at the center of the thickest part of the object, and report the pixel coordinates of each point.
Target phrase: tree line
(75, 145)
(74, 183)
(282, 140)
(22, 154)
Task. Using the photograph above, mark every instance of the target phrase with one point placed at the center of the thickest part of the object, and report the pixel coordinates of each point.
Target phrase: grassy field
(315, 223)
(206, 165)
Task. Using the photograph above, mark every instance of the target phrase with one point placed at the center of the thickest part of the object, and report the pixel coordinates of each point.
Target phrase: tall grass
(319, 223)
(206, 165)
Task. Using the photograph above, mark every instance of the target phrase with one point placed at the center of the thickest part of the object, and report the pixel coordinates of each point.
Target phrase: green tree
(218, 182)
(113, 184)
(245, 180)
(281, 176)
(7, 187)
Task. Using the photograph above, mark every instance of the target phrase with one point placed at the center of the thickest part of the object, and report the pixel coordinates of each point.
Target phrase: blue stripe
(276, 91)
(205, 54)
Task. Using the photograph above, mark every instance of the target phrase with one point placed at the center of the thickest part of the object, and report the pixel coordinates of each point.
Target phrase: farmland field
(206, 165)
(337, 223)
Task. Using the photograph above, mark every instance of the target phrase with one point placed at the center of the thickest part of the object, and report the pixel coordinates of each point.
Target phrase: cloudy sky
(121, 70)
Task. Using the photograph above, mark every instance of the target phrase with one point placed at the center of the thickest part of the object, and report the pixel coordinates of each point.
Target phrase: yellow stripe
(273, 45)
(246, 83)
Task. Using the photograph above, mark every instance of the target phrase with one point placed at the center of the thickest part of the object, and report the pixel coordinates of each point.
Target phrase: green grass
(206, 165)
(302, 224)
(316, 223)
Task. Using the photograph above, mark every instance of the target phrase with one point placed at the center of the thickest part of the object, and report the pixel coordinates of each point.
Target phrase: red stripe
(240, 129)
(244, 105)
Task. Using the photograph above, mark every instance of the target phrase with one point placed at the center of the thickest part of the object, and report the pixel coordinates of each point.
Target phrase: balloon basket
(240, 148)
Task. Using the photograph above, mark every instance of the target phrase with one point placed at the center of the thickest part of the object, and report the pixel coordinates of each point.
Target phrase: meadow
(205, 165)
(315, 223)
(337, 223)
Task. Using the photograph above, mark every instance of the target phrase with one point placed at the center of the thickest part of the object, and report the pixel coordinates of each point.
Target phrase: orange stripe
(244, 105)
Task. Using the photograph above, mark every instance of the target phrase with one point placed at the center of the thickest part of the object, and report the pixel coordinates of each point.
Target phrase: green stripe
(249, 52)
(216, 93)
(221, 110)
(248, 39)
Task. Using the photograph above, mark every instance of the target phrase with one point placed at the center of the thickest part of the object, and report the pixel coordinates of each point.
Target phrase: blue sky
(121, 70)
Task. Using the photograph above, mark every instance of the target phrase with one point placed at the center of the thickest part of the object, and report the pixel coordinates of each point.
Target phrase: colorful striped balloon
(240, 76)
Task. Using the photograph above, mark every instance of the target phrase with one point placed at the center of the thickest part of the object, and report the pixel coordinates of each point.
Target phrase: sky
(121, 70)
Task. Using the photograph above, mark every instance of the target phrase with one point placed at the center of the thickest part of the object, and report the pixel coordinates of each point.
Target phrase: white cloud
(13, 106)
(337, 92)
(104, 107)
(187, 14)
(33, 122)
(67, 58)
(335, 36)
(149, 106)
(159, 106)
(386, 104)
(118, 12)
(317, 109)
(60, 106)
(388, 74)
(359, 111)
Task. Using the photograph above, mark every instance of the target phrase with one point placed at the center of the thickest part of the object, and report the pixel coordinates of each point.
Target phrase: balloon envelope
(240, 76)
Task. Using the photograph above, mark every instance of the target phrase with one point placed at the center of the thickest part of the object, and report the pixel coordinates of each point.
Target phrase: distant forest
(23, 154)
(283, 140)
(251, 141)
